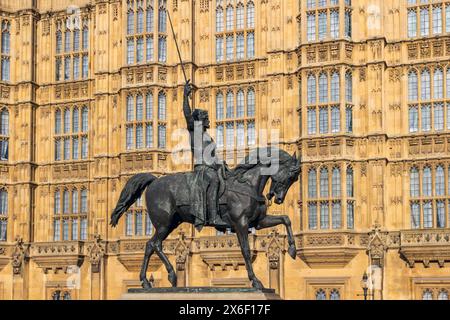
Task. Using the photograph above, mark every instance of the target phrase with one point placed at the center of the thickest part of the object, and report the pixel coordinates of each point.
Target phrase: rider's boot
(214, 217)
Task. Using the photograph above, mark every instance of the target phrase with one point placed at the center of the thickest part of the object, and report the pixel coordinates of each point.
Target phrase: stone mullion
(302, 203)
(420, 199)
(344, 198)
(329, 199)
(433, 194)
(447, 194)
(318, 214)
(341, 19)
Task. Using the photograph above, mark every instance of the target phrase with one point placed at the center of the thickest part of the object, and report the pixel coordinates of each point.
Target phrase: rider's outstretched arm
(186, 108)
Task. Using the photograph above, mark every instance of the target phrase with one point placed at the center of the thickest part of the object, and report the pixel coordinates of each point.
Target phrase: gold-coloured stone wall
(376, 56)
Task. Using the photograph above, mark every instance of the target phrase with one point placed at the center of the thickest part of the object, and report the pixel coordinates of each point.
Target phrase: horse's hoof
(145, 284)
(292, 252)
(257, 284)
(173, 280)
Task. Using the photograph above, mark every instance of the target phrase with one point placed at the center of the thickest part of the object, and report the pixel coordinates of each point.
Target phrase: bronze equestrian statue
(240, 204)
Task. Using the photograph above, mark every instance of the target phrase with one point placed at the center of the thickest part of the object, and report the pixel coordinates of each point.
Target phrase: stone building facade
(91, 93)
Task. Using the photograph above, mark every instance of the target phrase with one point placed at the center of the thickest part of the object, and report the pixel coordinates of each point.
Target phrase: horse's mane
(252, 160)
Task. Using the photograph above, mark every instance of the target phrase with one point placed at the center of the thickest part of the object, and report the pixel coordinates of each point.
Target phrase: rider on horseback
(206, 165)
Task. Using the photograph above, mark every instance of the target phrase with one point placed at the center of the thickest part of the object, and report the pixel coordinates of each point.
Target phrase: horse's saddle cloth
(191, 181)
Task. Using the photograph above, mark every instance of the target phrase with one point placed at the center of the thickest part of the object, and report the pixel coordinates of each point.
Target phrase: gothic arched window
(219, 19)
(335, 295)
(324, 183)
(427, 295)
(58, 121)
(311, 89)
(230, 18)
(440, 181)
(427, 182)
(219, 106)
(130, 113)
(250, 15)
(323, 88)
(240, 104)
(3, 214)
(414, 182)
(130, 22)
(443, 295)
(425, 83)
(162, 106)
(350, 188)
(335, 87)
(250, 103)
(413, 86)
(66, 121)
(230, 105)
(240, 16)
(149, 106)
(438, 84)
(75, 120)
(336, 183)
(139, 107)
(321, 295)
(348, 86)
(312, 183)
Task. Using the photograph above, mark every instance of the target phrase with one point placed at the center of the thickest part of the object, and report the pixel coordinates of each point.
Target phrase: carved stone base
(201, 294)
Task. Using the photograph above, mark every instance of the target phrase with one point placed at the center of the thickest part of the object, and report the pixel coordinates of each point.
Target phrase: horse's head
(286, 175)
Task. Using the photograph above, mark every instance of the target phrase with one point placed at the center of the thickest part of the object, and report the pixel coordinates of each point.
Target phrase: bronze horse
(242, 204)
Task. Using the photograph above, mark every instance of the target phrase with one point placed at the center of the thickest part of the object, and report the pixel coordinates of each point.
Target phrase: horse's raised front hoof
(146, 284)
(257, 284)
(292, 251)
(173, 279)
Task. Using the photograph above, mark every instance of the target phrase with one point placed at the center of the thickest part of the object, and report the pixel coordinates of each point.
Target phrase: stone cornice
(58, 255)
(425, 246)
(317, 249)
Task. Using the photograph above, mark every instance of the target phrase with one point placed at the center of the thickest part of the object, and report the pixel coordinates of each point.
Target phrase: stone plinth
(201, 293)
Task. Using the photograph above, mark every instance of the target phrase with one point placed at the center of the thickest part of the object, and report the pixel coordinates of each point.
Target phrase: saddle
(223, 173)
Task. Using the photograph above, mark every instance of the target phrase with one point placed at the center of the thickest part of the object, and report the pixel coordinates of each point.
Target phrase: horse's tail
(130, 193)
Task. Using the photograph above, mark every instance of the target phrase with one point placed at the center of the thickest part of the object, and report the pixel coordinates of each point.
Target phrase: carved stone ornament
(181, 252)
(274, 250)
(96, 251)
(377, 246)
(18, 256)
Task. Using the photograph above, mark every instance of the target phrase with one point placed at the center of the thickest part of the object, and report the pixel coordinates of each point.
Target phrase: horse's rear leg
(272, 221)
(163, 232)
(149, 249)
(166, 224)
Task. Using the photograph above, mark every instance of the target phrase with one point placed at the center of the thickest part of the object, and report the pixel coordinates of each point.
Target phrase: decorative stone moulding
(131, 254)
(223, 252)
(225, 259)
(58, 255)
(328, 250)
(425, 246)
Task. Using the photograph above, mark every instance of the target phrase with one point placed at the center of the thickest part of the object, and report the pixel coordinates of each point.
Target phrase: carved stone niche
(425, 246)
(57, 256)
(330, 250)
(131, 255)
